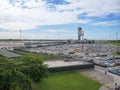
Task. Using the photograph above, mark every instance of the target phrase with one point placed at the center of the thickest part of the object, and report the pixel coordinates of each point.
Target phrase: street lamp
(20, 34)
(116, 40)
(82, 34)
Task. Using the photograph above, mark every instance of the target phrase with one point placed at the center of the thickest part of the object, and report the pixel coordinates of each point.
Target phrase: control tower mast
(80, 34)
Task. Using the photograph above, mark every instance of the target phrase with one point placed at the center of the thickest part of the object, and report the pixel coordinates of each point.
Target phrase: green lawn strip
(43, 57)
(116, 53)
(67, 81)
(116, 43)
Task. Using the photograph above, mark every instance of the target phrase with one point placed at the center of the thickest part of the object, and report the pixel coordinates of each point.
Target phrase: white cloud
(93, 7)
(8, 35)
(18, 25)
(58, 31)
(28, 14)
(106, 23)
(42, 35)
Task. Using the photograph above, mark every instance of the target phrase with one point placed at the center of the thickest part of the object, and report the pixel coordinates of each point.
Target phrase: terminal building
(11, 45)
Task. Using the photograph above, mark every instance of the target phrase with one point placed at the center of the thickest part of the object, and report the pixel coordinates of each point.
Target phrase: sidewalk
(104, 88)
(99, 76)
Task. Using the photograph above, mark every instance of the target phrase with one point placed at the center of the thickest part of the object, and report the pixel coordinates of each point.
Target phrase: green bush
(33, 67)
(10, 78)
(118, 53)
(17, 74)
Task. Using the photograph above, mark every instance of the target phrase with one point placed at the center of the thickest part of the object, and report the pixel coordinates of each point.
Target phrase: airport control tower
(80, 33)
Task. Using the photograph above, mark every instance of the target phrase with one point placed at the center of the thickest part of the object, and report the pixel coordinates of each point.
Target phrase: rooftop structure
(8, 54)
(61, 63)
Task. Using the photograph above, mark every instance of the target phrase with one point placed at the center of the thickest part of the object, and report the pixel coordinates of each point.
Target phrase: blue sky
(59, 19)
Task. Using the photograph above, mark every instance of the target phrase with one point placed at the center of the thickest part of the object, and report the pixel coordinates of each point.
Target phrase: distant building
(9, 55)
(11, 45)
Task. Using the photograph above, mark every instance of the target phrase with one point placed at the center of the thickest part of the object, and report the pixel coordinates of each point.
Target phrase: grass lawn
(42, 57)
(117, 44)
(67, 81)
(116, 53)
(110, 42)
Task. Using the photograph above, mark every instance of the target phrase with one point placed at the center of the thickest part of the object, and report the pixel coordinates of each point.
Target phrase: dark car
(105, 64)
(117, 87)
(114, 71)
(117, 63)
(68, 58)
(118, 74)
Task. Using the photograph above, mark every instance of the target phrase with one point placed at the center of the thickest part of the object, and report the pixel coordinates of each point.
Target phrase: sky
(59, 19)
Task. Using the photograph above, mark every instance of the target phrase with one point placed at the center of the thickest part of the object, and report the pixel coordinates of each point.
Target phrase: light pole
(116, 41)
(116, 37)
(82, 34)
(58, 35)
(20, 34)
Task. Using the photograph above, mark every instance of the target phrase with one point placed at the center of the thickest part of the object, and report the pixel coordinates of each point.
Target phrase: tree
(17, 74)
(34, 68)
(118, 53)
(10, 78)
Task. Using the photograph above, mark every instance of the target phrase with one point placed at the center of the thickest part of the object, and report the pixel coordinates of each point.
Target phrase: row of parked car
(113, 58)
(107, 57)
(109, 63)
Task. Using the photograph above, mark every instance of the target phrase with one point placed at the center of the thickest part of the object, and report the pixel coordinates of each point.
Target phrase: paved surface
(99, 75)
(104, 88)
(60, 63)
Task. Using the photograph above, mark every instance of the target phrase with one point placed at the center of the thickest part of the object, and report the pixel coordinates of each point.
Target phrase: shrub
(10, 78)
(33, 67)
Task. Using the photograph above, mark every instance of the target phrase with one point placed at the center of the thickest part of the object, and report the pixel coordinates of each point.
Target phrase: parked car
(114, 71)
(117, 63)
(88, 59)
(68, 58)
(117, 87)
(104, 64)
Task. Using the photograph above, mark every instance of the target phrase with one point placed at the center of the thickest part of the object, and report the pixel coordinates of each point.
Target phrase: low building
(11, 45)
(9, 55)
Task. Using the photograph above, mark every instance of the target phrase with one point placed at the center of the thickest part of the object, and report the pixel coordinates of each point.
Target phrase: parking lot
(101, 55)
(76, 48)
(99, 75)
